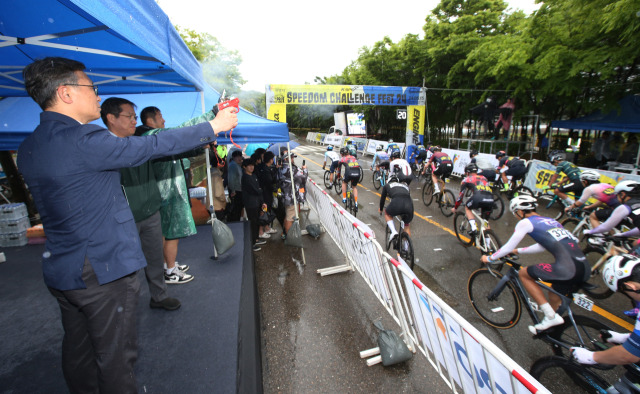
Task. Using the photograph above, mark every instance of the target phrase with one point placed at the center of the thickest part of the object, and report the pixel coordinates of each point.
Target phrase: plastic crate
(9, 226)
(13, 239)
(13, 211)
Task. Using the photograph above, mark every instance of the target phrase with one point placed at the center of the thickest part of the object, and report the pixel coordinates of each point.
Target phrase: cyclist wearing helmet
(482, 198)
(603, 192)
(401, 167)
(411, 153)
(392, 147)
(628, 194)
(331, 157)
(621, 273)
(440, 164)
(401, 203)
(569, 269)
(509, 165)
(351, 147)
(485, 168)
(571, 171)
(351, 174)
(380, 159)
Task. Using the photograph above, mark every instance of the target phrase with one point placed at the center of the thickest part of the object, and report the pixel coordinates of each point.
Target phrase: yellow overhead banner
(415, 119)
(344, 95)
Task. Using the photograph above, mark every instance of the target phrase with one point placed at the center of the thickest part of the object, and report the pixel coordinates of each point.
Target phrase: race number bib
(561, 233)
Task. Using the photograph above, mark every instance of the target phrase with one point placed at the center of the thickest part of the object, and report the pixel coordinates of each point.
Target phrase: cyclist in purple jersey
(603, 192)
(569, 269)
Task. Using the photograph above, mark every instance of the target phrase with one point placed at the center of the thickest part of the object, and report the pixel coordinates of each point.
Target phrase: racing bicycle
(380, 177)
(498, 299)
(485, 239)
(445, 198)
(350, 205)
(598, 251)
(402, 243)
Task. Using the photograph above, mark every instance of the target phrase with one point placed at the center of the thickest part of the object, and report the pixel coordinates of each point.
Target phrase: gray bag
(222, 236)
(393, 350)
(294, 235)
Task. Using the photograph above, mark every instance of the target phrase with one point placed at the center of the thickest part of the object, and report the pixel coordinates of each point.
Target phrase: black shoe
(472, 234)
(170, 304)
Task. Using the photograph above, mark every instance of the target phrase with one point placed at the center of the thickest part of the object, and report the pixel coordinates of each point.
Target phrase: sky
(293, 41)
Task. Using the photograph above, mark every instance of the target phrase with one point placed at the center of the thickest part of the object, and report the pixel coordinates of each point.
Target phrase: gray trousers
(100, 343)
(150, 230)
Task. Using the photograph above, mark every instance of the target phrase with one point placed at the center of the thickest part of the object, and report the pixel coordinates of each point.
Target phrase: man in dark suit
(93, 249)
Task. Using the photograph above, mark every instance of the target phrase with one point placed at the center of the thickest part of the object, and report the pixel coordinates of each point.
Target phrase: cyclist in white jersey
(333, 158)
(397, 164)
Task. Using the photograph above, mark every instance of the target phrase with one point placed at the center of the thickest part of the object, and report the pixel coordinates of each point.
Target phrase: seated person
(572, 181)
(380, 159)
(401, 204)
(603, 192)
(351, 174)
(401, 168)
(333, 158)
(440, 164)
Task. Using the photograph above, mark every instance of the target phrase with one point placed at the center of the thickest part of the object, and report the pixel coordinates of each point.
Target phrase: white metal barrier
(466, 360)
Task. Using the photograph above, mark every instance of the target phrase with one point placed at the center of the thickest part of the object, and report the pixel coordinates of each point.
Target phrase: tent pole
(293, 193)
(209, 188)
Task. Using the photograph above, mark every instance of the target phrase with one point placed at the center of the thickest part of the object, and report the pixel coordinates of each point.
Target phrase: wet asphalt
(314, 327)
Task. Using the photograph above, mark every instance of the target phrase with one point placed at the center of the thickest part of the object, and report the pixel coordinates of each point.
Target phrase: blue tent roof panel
(627, 119)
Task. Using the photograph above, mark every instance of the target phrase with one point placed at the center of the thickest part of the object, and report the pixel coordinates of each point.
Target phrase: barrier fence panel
(466, 360)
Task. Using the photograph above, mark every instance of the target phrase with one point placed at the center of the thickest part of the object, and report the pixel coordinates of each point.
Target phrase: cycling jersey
(379, 157)
(401, 164)
(482, 198)
(401, 203)
(393, 147)
(570, 170)
(351, 169)
(421, 154)
(630, 209)
(570, 266)
(632, 344)
(482, 163)
(510, 162)
(602, 192)
(441, 164)
(412, 151)
(333, 158)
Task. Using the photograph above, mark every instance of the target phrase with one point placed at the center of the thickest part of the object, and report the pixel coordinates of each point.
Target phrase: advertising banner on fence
(335, 140)
(361, 143)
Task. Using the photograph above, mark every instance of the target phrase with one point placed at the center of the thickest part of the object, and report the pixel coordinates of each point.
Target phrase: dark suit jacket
(72, 172)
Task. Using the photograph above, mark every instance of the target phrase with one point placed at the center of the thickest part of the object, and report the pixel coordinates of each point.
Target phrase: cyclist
(440, 164)
(482, 198)
(603, 192)
(411, 153)
(392, 147)
(380, 159)
(331, 157)
(351, 147)
(485, 167)
(401, 165)
(570, 267)
(401, 204)
(351, 174)
(621, 273)
(509, 165)
(571, 171)
(628, 194)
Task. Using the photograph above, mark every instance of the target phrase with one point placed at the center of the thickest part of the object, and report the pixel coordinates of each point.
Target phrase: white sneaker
(546, 324)
(272, 231)
(264, 235)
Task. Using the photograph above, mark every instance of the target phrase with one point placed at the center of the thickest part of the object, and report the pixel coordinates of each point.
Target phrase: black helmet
(330, 147)
(395, 154)
(344, 151)
(500, 154)
(437, 148)
(473, 153)
(471, 168)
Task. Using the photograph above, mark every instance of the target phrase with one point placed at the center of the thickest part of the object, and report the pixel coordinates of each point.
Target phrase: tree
(220, 66)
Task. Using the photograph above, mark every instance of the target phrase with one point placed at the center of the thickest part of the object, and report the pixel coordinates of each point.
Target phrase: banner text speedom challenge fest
(344, 95)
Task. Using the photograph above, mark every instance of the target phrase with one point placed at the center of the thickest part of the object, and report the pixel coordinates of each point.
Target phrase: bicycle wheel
(352, 205)
(447, 201)
(427, 193)
(589, 330)
(493, 241)
(338, 185)
(601, 291)
(387, 238)
(571, 225)
(499, 308)
(521, 191)
(376, 180)
(406, 249)
(556, 208)
(498, 207)
(558, 373)
(361, 175)
(462, 227)
(327, 180)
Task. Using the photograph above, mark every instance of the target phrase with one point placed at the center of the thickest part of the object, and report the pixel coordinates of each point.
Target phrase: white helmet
(590, 176)
(523, 202)
(379, 148)
(618, 268)
(630, 187)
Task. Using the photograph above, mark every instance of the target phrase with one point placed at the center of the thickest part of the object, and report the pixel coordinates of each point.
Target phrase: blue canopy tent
(128, 47)
(627, 119)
